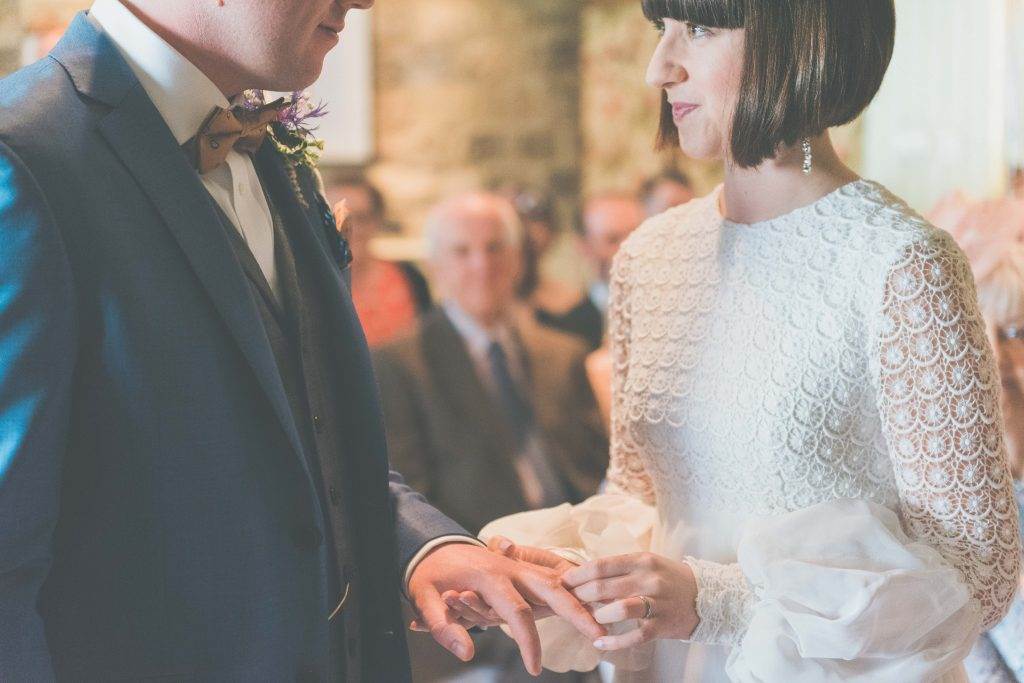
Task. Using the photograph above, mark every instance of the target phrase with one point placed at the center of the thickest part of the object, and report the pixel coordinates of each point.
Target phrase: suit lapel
(141, 139)
(362, 416)
(306, 230)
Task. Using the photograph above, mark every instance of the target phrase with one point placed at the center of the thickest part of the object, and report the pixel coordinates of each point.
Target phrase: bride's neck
(779, 185)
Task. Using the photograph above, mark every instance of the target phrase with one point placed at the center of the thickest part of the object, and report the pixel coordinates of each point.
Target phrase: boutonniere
(293, 132)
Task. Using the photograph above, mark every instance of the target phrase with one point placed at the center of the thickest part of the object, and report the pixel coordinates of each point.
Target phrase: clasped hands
(465, 586)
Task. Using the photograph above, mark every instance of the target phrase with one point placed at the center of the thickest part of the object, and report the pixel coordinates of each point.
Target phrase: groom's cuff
(430, 546)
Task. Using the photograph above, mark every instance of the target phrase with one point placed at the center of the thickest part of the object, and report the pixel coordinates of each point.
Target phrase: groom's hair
(809, 65)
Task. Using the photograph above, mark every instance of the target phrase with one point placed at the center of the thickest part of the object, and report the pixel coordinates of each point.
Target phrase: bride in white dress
(808, 480)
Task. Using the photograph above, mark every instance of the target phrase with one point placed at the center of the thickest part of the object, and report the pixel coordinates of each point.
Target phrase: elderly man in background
(608, 220)
(486, 411)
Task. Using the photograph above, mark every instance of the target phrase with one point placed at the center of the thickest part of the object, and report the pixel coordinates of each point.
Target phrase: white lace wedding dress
(805, 410)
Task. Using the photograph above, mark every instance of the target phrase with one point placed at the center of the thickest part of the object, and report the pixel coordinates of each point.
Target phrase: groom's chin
(295, 78)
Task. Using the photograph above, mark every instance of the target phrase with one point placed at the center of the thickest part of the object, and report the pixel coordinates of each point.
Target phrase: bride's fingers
(502, 546)
(483, 611)
(620, 610)
(462, 611)
(625, 640)
(607, 590)
(608, 567)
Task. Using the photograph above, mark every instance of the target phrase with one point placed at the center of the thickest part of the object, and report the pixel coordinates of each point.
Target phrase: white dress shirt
(600, 294)
(185, 97)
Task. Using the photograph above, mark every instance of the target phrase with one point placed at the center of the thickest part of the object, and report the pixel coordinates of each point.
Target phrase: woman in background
(389, 296)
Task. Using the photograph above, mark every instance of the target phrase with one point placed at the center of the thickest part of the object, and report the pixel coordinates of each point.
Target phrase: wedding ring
(648, 607)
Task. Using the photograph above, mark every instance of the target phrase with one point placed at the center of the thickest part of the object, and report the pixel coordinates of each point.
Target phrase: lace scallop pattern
(835, 352)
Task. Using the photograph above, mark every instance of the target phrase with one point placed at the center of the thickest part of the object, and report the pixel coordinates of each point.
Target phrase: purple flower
(300, 111)
(296, 115)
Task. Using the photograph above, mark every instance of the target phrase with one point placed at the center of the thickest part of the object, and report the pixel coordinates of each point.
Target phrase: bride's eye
(697, 31)
(659, 26)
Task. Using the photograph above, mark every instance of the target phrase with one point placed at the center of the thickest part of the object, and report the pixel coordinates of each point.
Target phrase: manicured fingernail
(460, 651)
(599, 643)
(504, 545)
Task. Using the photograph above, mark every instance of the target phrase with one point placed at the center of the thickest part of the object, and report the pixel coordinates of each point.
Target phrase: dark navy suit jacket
(157, 517)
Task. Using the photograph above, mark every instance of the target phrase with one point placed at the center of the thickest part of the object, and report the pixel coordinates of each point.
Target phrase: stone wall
(10, 35)
(476, 93)
(620, 111)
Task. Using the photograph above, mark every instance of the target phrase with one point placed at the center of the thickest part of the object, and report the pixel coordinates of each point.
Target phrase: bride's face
(700, 69)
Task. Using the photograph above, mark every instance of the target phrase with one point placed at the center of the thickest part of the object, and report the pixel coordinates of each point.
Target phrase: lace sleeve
(939, 403)
(626, 473)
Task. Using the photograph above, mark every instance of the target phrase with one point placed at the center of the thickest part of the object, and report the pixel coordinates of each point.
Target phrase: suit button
(307, 537)
(335, 496)
(306, 675)
(318, 424)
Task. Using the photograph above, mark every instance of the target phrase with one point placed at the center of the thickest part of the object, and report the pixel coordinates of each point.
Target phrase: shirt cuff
(429, 546)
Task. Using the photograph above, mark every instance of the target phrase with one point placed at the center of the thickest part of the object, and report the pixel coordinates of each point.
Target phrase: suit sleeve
(37, 357)
(417, 523)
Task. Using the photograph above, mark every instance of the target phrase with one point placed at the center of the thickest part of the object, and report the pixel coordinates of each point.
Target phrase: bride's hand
(657, 591)
(471, 610)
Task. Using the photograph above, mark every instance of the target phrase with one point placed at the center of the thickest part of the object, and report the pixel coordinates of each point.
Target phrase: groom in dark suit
(193, 476)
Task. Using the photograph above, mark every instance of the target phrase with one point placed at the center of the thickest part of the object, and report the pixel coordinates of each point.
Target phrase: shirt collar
(599, 294)
(182, 93)
(477, 337)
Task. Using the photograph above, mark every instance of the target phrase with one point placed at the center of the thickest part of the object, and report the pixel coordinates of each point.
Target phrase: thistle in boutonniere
(292, 135)
(293, 131)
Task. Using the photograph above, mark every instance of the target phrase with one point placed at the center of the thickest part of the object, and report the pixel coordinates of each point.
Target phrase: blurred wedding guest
(667, 189)
(537, 215)
(608, 220)
(487, 412)
(1017, 183)
(540, 233)
(388, 296)
(991, 234)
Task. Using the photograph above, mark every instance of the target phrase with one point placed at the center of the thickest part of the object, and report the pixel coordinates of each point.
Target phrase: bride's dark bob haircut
(809, 65)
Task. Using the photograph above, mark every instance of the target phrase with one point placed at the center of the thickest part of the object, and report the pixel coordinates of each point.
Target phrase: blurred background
(544, 103)
(430, 98)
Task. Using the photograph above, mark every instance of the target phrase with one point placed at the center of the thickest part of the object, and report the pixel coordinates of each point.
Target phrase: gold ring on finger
(648, 607)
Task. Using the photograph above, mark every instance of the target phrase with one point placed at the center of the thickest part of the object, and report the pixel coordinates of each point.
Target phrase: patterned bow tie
(238, 128)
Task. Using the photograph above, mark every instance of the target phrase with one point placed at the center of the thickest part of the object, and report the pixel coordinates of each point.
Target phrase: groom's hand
(471, 610)
(510, 588)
